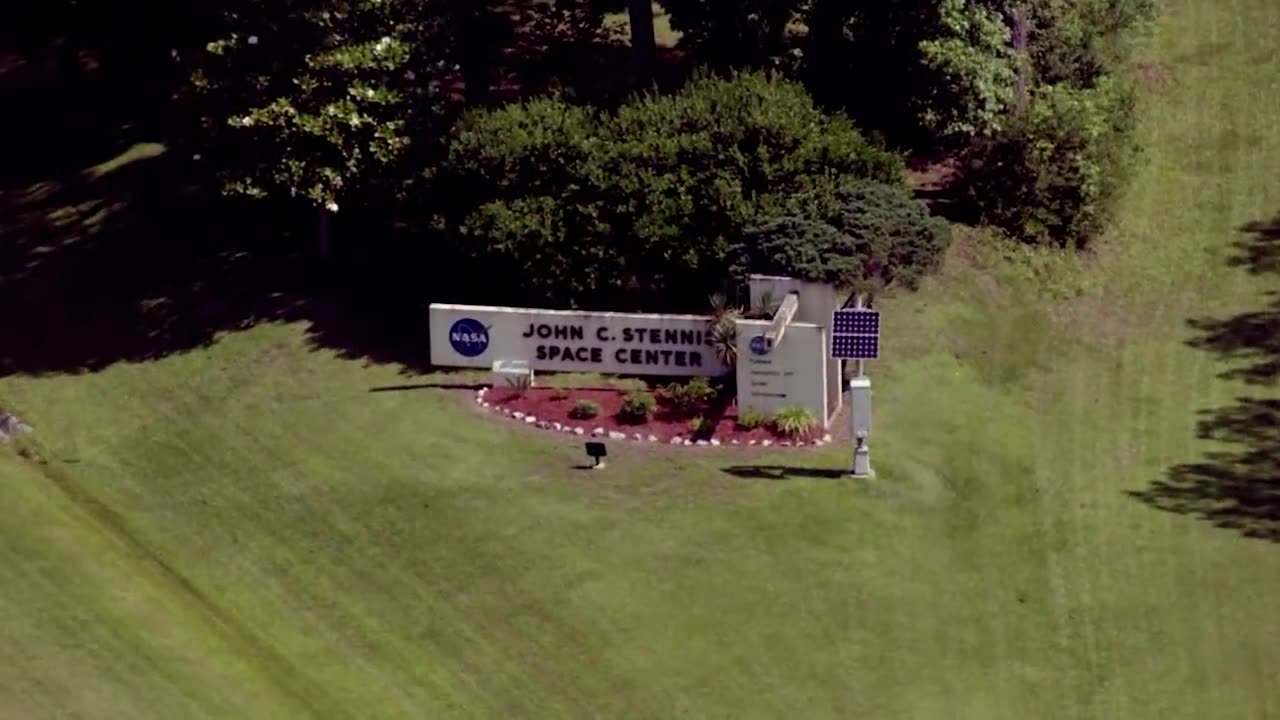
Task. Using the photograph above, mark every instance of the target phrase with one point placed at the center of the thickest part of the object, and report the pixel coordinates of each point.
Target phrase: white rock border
(637, 438)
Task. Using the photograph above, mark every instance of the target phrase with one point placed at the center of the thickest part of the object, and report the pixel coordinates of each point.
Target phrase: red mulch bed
(553, 405)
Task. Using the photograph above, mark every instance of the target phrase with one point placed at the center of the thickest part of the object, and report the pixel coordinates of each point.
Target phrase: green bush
(945, 69)
(642, 208)
(793, 421)
(638, 406)
(1053, 174)
(584, 410)
(698, 425)
(689, 395)
(1079, 42)
(750, 419)
(867, 235)
(523, 150)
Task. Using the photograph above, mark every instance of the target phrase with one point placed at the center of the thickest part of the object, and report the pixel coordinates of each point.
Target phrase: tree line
(779, 143)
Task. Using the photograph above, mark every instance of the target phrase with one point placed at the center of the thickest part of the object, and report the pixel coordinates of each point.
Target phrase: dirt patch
(933, 175)
(551, 408)
(1153, 76)
(1093, 316)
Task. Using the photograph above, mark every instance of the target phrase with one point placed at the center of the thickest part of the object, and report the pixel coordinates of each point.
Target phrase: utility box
(512, 375)
(860, 406)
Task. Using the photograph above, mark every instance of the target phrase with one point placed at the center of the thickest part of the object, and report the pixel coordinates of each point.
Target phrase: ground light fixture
(597, 452)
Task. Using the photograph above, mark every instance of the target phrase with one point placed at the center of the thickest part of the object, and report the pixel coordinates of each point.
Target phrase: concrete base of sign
(862, 460)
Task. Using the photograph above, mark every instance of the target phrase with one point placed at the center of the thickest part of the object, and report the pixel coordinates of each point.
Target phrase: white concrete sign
(790, 374)
(572, 341)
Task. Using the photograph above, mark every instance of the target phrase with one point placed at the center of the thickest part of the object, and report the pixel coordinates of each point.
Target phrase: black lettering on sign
(555, 332)
(602, 334)
(695, 359)
(565, 353)
(626, 338)
(621, 354)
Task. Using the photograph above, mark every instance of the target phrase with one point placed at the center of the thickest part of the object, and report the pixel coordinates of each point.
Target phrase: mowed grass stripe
(158, 645)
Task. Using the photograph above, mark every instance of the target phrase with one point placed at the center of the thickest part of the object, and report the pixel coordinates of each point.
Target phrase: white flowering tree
(321, 100)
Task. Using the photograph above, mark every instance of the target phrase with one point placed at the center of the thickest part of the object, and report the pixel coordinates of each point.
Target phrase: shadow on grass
(784, 472)
(428, 386)
(130, 264)
(1237, 487)
(133, 260)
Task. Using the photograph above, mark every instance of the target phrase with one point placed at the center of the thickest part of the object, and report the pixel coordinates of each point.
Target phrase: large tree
(327, 102)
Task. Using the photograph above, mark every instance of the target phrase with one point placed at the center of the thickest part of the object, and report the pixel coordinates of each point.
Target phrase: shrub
(866, 236)
(1053, 174)
(641, 208)
(689, 395)
(750, 419)
(638, 406)
(560, 394)
(522, 150)
(793, 421)
(698, 425)
(584, 410)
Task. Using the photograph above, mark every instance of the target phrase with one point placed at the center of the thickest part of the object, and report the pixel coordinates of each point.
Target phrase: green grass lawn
(245, 530)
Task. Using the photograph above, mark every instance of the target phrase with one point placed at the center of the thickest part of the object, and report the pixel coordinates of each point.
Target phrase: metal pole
(857, 364)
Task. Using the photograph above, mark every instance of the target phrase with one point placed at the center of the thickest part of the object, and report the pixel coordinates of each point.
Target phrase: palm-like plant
(722, 329)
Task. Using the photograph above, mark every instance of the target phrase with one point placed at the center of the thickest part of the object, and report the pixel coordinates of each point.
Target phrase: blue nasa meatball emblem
(469, 337)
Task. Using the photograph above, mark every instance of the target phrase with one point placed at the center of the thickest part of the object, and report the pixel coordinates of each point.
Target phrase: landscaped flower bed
(553, 409)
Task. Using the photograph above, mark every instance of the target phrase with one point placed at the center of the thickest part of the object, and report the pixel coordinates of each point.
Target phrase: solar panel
(856, 322)
(855, 334)
(855, 347)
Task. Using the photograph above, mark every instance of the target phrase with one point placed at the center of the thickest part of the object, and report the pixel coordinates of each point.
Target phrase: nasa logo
(468, 337)
(759, 346)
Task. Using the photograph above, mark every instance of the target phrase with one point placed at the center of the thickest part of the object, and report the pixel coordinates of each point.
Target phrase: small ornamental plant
(584, 410)
(750, 419)
(793, 421)
(638, 406)
(690, 395)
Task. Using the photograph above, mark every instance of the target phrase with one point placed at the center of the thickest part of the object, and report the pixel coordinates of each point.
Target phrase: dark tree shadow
(113, 247)
(133, 264)
(1237, 487)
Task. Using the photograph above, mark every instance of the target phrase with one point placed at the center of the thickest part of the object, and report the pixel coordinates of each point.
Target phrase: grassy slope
(247, 532)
